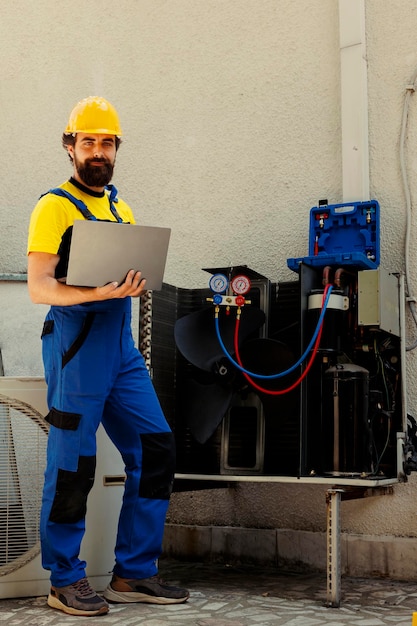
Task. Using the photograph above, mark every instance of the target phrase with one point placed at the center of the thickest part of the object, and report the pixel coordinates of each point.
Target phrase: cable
(326, 297)
(411, 301)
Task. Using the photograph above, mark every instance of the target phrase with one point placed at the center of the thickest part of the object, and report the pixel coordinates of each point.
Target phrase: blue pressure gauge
(218, 283)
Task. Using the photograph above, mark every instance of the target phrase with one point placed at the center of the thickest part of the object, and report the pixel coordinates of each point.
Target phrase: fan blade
(204, 407)
(196, 338)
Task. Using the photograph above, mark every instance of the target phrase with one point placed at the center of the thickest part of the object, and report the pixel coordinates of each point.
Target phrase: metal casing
(378, 300)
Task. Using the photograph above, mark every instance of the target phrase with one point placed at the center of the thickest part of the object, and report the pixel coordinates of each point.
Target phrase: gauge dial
(218, 283)
(240, 284)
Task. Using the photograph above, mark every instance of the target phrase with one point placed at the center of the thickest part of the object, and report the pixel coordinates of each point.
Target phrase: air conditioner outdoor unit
(23, 436)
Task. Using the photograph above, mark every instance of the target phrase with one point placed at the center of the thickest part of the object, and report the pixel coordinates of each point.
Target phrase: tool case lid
(342, 234)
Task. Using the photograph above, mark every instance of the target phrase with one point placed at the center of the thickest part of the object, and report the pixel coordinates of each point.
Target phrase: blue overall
(94, 374)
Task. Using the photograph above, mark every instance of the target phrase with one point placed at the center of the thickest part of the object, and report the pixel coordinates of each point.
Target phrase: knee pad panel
(63, 419)
(158, 465)
(72, 488)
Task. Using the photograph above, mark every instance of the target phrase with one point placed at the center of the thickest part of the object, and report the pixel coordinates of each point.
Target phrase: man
(94, 374)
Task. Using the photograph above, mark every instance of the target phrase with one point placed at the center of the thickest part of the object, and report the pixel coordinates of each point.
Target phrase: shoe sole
(54, 603)
(121, 597)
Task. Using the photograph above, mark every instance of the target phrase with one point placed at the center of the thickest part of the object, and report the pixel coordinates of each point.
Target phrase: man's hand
(134, 286)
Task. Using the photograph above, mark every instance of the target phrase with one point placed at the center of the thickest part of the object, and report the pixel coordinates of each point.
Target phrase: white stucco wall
(231, 114)
(223, 105)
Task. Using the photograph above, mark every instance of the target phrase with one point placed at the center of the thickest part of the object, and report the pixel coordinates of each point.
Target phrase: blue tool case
(342, 234)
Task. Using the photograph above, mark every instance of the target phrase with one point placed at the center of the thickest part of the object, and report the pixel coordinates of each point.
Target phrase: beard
(94, 175)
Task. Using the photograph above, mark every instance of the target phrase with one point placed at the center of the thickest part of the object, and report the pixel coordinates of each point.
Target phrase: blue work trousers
(94, 374)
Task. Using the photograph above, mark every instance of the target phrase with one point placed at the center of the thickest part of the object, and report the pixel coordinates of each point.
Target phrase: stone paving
(224, 595)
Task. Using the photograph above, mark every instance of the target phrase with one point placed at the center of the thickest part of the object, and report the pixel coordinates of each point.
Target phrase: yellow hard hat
(94, 115)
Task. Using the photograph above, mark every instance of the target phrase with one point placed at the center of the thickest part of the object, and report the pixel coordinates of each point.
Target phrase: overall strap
(81, 206)
(113, 199)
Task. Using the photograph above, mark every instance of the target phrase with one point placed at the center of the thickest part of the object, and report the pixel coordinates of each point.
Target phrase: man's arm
(45, 289)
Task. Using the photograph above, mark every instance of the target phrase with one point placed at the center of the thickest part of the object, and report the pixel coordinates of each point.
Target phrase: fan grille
(23, 435)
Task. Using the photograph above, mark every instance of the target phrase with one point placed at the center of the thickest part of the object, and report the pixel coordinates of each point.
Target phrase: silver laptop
(103, 252)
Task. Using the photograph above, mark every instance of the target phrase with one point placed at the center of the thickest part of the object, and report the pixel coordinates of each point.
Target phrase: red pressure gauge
(240, 285)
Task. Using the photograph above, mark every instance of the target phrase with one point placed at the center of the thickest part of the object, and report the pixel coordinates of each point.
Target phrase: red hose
(279, 392)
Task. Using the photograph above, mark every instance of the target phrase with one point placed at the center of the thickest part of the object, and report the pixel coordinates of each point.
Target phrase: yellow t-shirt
(54, 215)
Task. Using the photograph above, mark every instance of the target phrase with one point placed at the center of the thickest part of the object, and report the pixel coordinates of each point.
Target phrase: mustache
(96, 160)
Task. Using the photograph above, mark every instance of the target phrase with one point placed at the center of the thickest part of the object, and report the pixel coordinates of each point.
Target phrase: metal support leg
(333, 500)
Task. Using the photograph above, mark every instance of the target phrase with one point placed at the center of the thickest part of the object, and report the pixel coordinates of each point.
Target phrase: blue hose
(293, 367)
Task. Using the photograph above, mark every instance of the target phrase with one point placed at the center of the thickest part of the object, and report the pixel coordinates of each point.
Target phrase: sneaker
(152, 590)
(77, 599)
